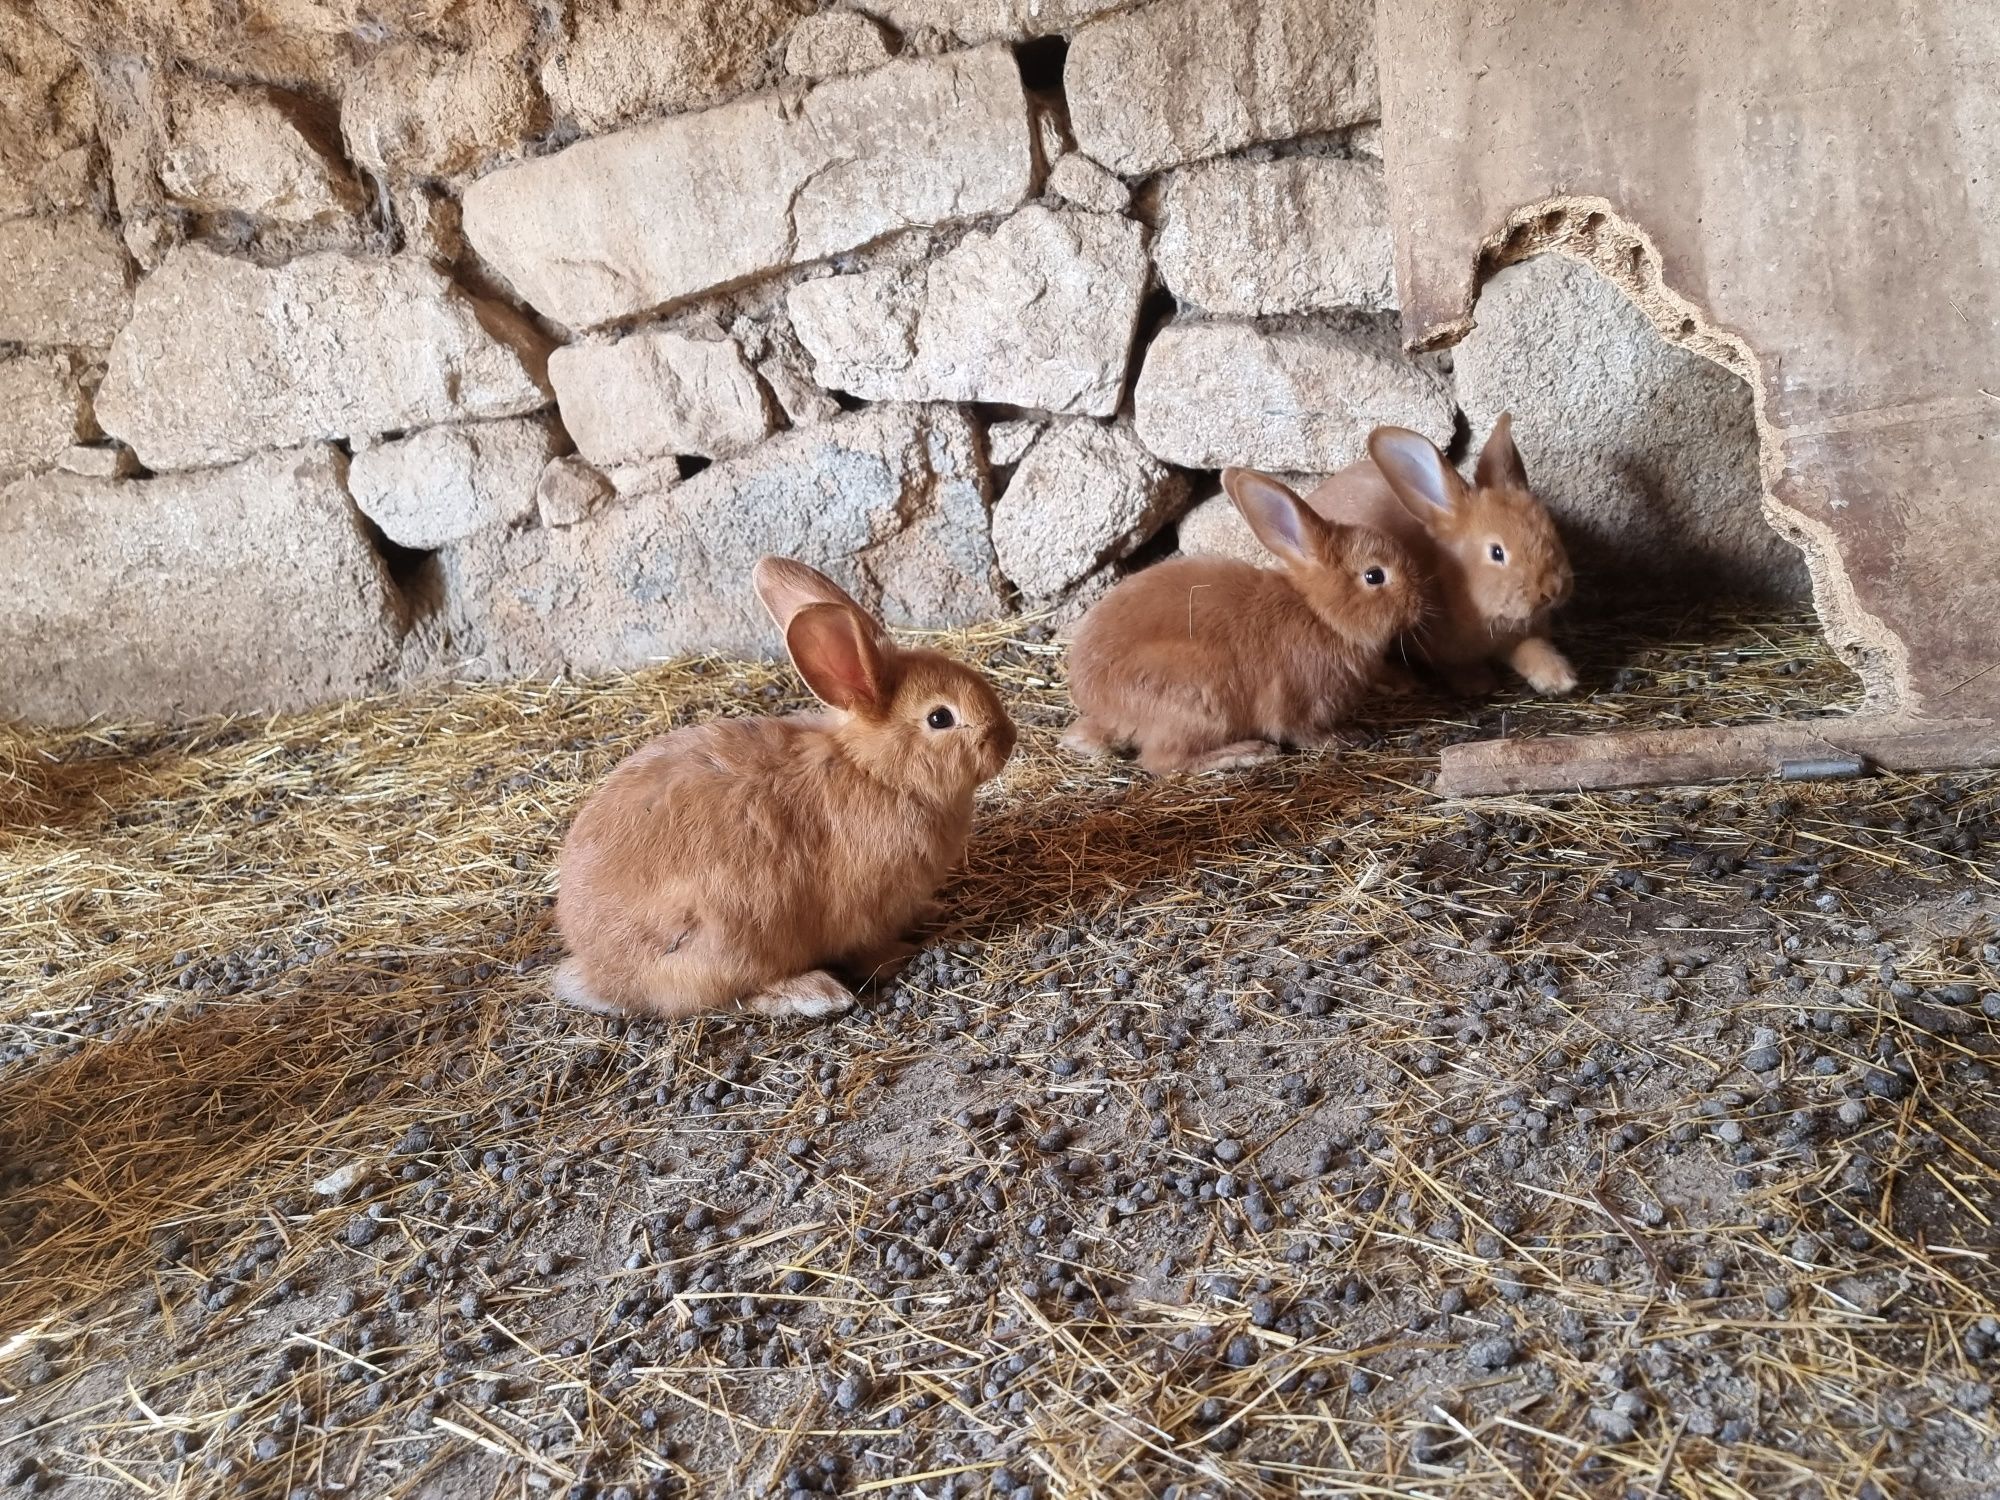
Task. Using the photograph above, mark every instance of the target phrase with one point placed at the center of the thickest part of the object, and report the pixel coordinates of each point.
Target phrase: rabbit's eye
(1375, 578)
(940, 718)
(1497, 552)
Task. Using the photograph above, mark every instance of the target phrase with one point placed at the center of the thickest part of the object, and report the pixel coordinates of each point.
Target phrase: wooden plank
(1598, 762)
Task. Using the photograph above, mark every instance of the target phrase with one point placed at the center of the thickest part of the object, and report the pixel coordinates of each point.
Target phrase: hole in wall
(406, 564)
(416, 572)
(991, 414)
(1156, 310)
(847, 400)
(692, 464)
(1645, 453)
(1664, 510)
(1460, 448)
(1042, 60)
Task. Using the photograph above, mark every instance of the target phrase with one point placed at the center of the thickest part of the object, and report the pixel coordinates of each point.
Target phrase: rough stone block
(650, 476)
(890, 501)
(1077, 179)
(445, 483)
(835, 42)
(990, 20)
(1038, 311)
(305, 46)
(427, 217)
(223, 358)
(244, 150)
(1261, 238)
(47, 111)
(1215, 528)
(68, 182)
(62, 281)
(1007, 443)
(1186, 79)
(659, 393)
(620, 62)
(636, 221)
(239, 590)
(420, 107)
(784, 366)
(1084, 495)
(1295, 399)
(570, 491)
(1645, 454)
(45, 411)
(99, 461)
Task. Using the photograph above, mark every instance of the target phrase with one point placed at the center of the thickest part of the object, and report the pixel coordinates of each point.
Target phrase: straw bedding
(1276, 1134)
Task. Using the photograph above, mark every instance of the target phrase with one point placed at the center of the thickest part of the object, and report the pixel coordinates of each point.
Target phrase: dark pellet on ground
(1492, 1353)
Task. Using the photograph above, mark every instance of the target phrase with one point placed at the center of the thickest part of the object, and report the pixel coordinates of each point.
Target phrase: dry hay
(1286, 1133)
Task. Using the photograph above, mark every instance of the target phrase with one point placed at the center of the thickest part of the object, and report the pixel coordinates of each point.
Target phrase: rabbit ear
(835, 649)
(1500, 466)
(787, 586)
(1417, 473)
(1284, 523)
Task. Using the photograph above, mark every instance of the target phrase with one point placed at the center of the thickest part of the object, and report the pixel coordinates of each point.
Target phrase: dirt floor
(1291, 1133)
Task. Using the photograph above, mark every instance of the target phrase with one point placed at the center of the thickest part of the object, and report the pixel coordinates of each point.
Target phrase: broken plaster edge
(1592, 230)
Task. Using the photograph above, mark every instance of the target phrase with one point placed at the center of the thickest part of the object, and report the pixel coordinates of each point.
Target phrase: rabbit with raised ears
(764, 863)
(1496, 568)
(1202, 664)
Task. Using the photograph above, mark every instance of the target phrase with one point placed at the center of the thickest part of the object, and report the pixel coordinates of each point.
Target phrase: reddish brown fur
(1477, 611)
(1203, 663)
(725, 861)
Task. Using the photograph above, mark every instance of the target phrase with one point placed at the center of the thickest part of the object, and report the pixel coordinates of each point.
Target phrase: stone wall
(343, 345)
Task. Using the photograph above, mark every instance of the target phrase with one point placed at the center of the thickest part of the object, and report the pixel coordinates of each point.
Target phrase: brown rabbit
(1495, 565)
(736, 862)
(1203, 663)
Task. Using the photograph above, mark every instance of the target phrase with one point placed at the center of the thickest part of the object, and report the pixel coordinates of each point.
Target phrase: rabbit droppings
(739, 862)
(1202, 663)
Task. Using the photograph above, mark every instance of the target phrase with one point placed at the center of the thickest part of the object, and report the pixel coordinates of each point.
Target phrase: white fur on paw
(1077, 743)
(570, 987)
(1240, 759)
(811, 996)
(1553, 684)
(815, 1006)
